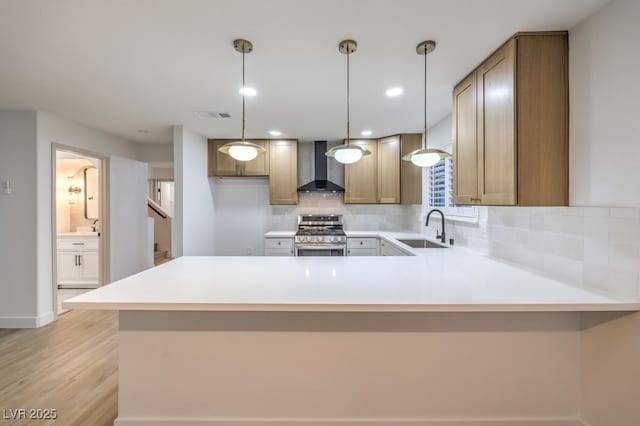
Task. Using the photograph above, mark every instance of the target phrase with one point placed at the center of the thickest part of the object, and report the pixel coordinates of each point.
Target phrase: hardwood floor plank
(70, 365)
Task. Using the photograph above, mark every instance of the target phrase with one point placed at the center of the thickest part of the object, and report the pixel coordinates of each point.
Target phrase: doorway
(78, 219)
(161, 210)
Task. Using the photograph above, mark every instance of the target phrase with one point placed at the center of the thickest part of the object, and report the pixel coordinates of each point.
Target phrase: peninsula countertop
(433, 280)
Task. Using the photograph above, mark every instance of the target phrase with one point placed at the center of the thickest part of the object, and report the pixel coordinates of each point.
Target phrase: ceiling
(135, 68)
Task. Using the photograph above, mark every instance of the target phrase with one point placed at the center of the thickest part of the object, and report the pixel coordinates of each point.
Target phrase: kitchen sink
(421, 244)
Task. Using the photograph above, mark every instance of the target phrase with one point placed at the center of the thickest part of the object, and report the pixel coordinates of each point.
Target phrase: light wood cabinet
(382, 178)
(223, 165)
(464, 133)
(283, 172)
(410, 174)
(389, 170)
(360, 179)
(510, 125)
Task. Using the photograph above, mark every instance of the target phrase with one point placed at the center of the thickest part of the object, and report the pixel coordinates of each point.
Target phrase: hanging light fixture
(347, 153)
(242, 150)
(425, 157)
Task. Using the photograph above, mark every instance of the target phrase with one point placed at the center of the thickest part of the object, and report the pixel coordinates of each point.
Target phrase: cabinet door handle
(77, 244)
(79, 260)
(75, 258)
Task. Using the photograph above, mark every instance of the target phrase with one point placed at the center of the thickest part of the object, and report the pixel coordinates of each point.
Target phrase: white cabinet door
(388, 249)
(279, 252)
(88, 267)
(67, 268)
(362, 252)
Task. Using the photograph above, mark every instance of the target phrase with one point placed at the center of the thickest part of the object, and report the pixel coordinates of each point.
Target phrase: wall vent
(212, 114)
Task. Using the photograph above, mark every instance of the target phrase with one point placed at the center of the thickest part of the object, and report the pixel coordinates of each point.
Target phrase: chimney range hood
(320, 182)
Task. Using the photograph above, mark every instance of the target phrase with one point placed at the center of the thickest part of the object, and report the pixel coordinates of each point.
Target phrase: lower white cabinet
(362, 246)
(362, 252)
(278, 246)
(388, 249)
(78, 263)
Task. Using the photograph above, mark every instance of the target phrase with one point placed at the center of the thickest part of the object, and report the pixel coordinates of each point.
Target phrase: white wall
(605, 106)
(194, 222)
(439, 135)
(243, 216)
(18, 233)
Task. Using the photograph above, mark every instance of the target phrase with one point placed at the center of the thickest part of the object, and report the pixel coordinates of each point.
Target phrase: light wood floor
(70, 365)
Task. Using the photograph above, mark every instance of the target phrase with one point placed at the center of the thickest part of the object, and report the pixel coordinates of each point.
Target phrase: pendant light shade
(425, 157)
(242, 150)
(347, 153)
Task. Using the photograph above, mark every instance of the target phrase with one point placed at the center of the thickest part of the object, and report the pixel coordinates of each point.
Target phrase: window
(440, 191)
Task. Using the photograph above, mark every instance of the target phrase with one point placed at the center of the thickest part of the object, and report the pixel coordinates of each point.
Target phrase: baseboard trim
(236, 421)
(26, 321)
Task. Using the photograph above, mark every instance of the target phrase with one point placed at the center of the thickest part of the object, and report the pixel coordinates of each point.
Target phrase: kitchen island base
(324, 368)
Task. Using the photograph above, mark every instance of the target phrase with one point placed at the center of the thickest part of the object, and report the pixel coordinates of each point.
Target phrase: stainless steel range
(320, 235)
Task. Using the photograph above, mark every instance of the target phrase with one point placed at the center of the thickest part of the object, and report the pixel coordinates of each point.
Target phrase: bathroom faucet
(441, 237)
(93, 227)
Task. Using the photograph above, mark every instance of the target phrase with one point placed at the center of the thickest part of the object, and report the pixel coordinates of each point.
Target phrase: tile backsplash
(391, 217)
(592, 247)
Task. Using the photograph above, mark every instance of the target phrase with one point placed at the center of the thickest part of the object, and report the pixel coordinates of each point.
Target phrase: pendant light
(242, 150)
(425, 157)
(347, 153)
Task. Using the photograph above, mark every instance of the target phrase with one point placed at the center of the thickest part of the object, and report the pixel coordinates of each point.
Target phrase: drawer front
(278, 243)
(279, 252)
(365, 243)
(362, 252)
(78, 244)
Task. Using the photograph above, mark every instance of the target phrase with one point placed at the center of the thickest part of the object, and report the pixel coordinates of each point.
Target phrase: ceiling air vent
(212, 114)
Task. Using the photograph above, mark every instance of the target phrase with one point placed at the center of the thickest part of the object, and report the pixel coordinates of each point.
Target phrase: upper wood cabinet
(410, 174)
(382, 178)
(389, 170)
(464, 133)
(360, 179)
(223, 165)
(510, 125)
(283, 175)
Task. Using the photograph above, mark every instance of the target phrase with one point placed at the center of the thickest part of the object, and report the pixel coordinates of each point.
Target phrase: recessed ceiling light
(394, 91)
(248, 91)
(366, 133)
(275, 132)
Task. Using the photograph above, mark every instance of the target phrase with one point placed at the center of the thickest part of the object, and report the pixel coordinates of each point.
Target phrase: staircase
(160, 256)
(162, 232)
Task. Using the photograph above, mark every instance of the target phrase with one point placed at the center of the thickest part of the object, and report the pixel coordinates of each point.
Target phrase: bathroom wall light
(74, 190)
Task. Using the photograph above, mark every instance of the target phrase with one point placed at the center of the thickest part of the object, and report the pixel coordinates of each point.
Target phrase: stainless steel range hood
(320, 182)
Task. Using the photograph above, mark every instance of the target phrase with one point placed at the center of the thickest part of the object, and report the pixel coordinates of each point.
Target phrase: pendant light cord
(424, 141)
(348, 122)
(243, 91)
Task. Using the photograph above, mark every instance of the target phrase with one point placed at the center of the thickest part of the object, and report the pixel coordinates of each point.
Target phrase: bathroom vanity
(78, 260)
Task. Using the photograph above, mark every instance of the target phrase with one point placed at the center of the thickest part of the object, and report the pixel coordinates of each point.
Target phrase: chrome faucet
(442, 237)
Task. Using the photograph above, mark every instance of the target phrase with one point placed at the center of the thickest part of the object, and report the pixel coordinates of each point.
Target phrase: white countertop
(434, 280)
(280, 234)
(77, 234)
